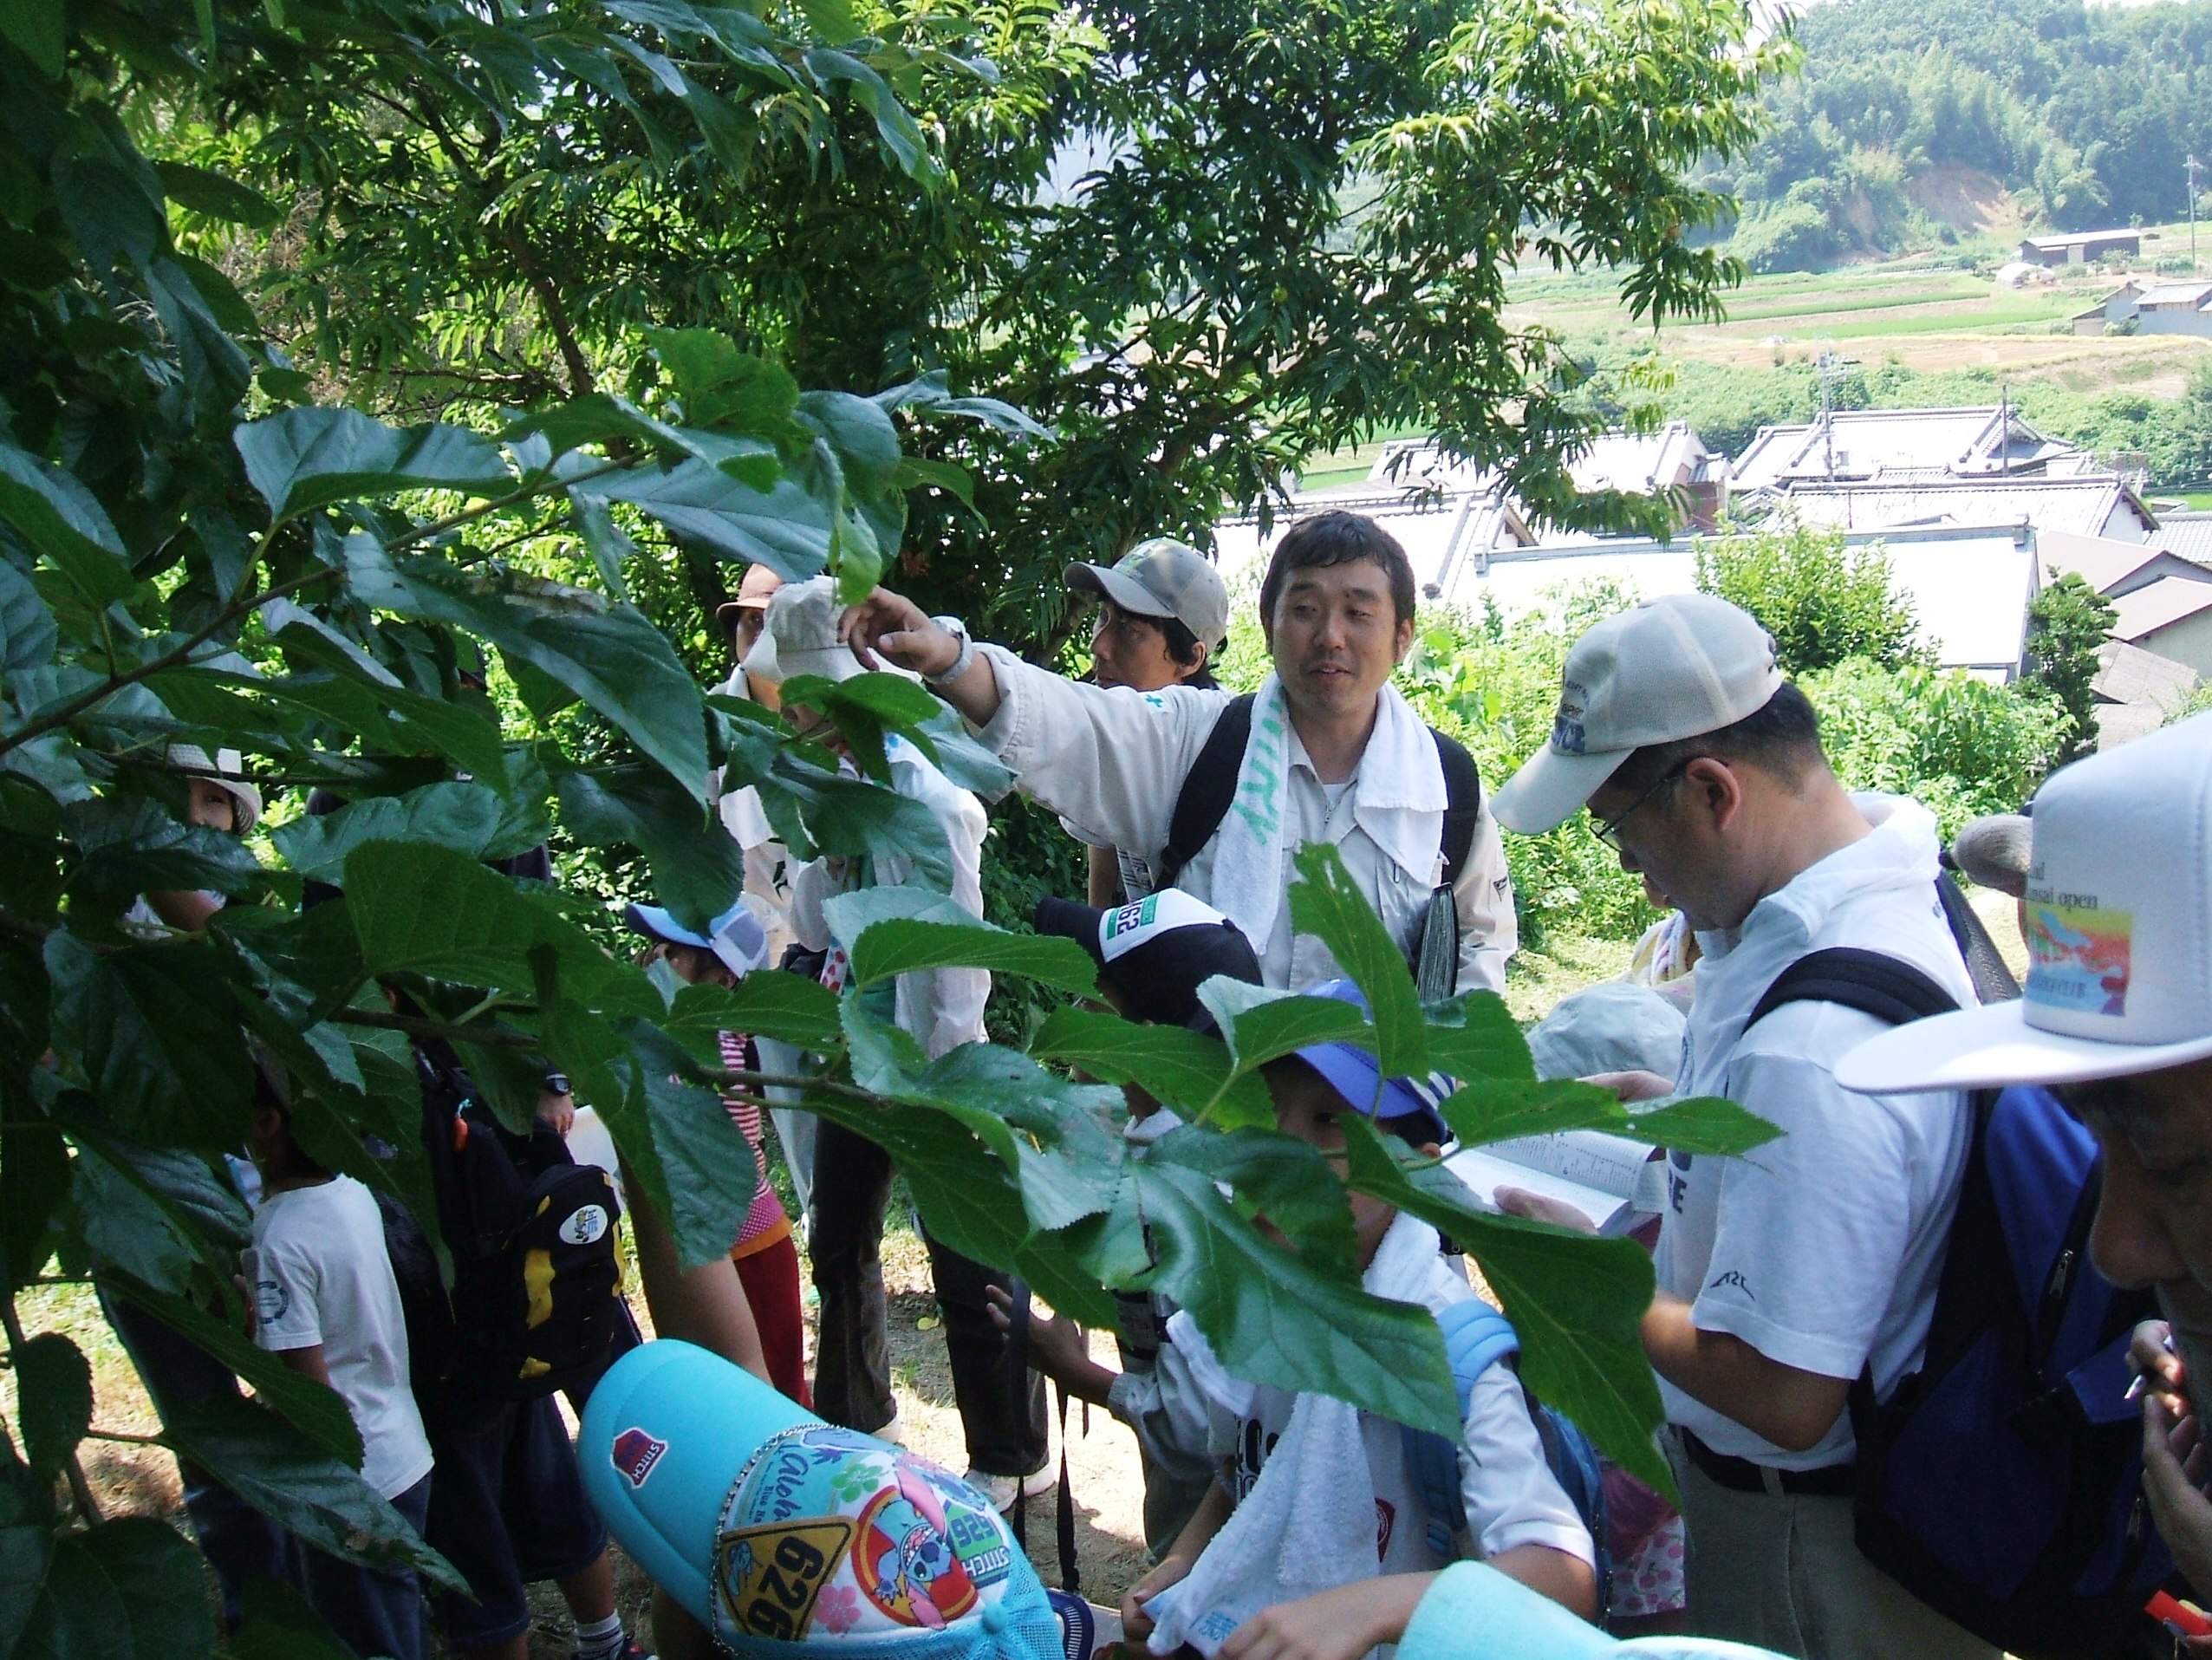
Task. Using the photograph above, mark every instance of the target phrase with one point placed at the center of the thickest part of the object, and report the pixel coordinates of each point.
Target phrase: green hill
(1916, 122)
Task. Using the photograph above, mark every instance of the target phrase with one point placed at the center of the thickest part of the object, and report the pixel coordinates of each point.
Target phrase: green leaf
(314, 456)
(462, 816)
(40, 30)
(1474, 1035)
(422, 909)
(1182, 1069)
(1700, 1124)
(707, 1175)
(131, 844)
(282, 1624)
(26, 1550)
(859, 431)
(1326, 903)
(131, 1589)
(896, 945)
(53, 1400)
(915, 471)
(288, 1479)
(791, 1007)
(57, 519)
(612, 657)
(1577, 1301)
(864, 709)
(698, 867)
(901, 138)
(313, 1412)
(1279, 1180)
(1262, 1024)
(152, 1042)
(1491, 1109)
(216, 196)
(27, 632)
(723, 385)
(34, 1179)
(782, 526)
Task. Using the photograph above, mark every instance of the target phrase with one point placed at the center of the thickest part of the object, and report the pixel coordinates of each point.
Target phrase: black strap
(1985, 964)
(1894, 993)
(1211, 786)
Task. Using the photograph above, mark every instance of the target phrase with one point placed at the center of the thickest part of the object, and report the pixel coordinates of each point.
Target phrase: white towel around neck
(1400, 797)
(1308, 1524)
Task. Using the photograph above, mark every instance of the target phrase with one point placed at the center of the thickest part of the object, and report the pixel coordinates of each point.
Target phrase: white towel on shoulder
(1399, 793)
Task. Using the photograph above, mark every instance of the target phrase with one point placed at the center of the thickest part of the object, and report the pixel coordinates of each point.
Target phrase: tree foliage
(434, 621)
(2067, 624)
(1823, 603)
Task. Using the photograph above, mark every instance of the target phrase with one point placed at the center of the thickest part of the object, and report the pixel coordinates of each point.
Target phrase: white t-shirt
(1511, 1496)
(323, 1277)
(1823, 1247)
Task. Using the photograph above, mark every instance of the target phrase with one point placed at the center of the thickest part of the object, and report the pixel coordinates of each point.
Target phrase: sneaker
(895, 1431)
(1002, 1490)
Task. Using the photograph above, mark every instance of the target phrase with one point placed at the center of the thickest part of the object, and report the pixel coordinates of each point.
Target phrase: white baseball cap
(801, 637)
(1667, 670)
(2119, 936)
(1161, 577)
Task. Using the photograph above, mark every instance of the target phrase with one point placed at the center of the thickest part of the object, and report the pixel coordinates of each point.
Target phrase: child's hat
(789, 1538)
(1411, 1104)
(226, 772)
(1157, 952)
(736, 936)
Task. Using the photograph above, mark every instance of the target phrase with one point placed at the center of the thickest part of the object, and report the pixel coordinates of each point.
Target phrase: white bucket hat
(2119, 936)
(1665, 670)
(224, 771)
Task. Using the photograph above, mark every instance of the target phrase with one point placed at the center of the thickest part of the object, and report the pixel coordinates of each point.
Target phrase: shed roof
(2160, 605)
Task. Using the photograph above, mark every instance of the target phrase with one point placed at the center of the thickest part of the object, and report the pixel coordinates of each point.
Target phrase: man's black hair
(1338, 538)
(1782, 737)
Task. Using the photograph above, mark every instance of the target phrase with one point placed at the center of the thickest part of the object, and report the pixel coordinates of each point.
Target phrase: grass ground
(129, 1476)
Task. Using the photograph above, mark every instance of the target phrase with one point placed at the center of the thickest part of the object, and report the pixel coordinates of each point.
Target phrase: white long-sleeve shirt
(1112, 761)
(941, 1008)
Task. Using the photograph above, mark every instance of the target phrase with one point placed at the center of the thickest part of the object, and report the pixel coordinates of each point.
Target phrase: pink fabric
(765, 1222)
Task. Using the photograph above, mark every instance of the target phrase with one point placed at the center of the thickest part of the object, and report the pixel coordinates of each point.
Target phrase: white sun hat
(2119, 936)
(1665, 670)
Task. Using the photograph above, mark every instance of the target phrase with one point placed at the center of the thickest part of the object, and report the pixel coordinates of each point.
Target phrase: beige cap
(758, 588)
(1162, 577)
(1994, 852)
(801, 637)
(223, 771)
(1667, 670)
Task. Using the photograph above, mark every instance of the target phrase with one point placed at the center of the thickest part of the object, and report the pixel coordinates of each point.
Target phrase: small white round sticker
(585, 1225)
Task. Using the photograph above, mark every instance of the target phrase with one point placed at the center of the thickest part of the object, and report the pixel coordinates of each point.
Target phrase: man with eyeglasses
(1782, 1276)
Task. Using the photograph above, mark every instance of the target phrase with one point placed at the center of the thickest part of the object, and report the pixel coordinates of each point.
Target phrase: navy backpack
(2003, 1483)
(1476, 1337)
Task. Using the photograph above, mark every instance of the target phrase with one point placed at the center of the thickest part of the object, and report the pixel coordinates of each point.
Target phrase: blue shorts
(507, 1510)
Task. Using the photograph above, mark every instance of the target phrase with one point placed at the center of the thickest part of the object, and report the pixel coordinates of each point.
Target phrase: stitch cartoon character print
(830, 1532)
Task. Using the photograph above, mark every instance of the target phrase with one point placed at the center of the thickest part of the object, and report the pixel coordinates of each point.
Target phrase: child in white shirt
(325, 1301)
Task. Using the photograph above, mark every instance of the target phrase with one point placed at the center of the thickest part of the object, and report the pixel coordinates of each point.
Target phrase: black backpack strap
(1208, 788)
(1985, 964)
(1462, 802)
(1870, 981)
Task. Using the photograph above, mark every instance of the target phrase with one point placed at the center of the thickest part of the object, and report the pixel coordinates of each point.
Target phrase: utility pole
(2192, 216)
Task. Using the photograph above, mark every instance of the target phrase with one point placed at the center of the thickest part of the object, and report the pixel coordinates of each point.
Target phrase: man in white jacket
(1785, 1275)
(1335, 755)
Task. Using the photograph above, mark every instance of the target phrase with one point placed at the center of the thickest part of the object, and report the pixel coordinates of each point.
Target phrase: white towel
(1400, 794)
(1308, 1524)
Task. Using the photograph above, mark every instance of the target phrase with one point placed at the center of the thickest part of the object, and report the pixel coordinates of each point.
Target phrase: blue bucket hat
(1408, 1105)
(736, 937)
(791, 1539)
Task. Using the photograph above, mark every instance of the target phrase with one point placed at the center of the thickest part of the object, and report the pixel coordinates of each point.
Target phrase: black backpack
(2002, 1484)
(1211, 784)
(535, 1300)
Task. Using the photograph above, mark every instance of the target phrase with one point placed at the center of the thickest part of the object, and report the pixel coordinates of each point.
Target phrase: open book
(1595, 1173)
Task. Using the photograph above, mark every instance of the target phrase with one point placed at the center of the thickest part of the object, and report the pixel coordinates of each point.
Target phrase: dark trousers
(1004, 1426)
(376, 1611)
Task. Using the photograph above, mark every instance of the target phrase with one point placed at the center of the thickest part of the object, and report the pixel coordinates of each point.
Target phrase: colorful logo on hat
(770, 1578)
(1568, 735)
(907, 1568)
(2078, 957)
(1129, 918)
(635, 1453)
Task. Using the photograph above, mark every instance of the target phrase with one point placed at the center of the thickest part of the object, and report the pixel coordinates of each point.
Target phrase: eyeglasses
(1608, 830)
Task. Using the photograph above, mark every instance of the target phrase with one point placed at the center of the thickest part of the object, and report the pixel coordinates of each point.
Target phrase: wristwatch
(958, 630)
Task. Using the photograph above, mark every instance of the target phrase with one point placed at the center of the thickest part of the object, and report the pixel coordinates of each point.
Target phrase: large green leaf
(34, 1179)
(904, 946)
(865, 709)
(216, 195)
(131, 1589)
(153, 1043)
(310, 457)
(790, 1007)
(698, 1169)
(1474, 1035)
(783, 527)
(282, 1624)
(1492, 1109)
(1704, 1123)
(315, 1413)
(465, 817)
(1326, 903)
(28, 635)
(1182, 1069)
(131, 844)
(58, 518)
(53, 1400)
(295, 1484)
(431, 910)
(1263, 1024)
(1276, 1179)
(1576, 1300)
(611, 656)
(698, 867)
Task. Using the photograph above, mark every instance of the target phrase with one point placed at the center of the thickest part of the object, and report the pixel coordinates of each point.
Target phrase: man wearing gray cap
(1784, 1275)
(1218, 793)
(1163, 615)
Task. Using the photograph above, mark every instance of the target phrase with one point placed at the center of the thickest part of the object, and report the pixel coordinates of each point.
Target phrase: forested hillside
(1914, 119)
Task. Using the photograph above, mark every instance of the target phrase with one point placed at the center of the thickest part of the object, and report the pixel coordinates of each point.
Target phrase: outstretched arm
(893, 627)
